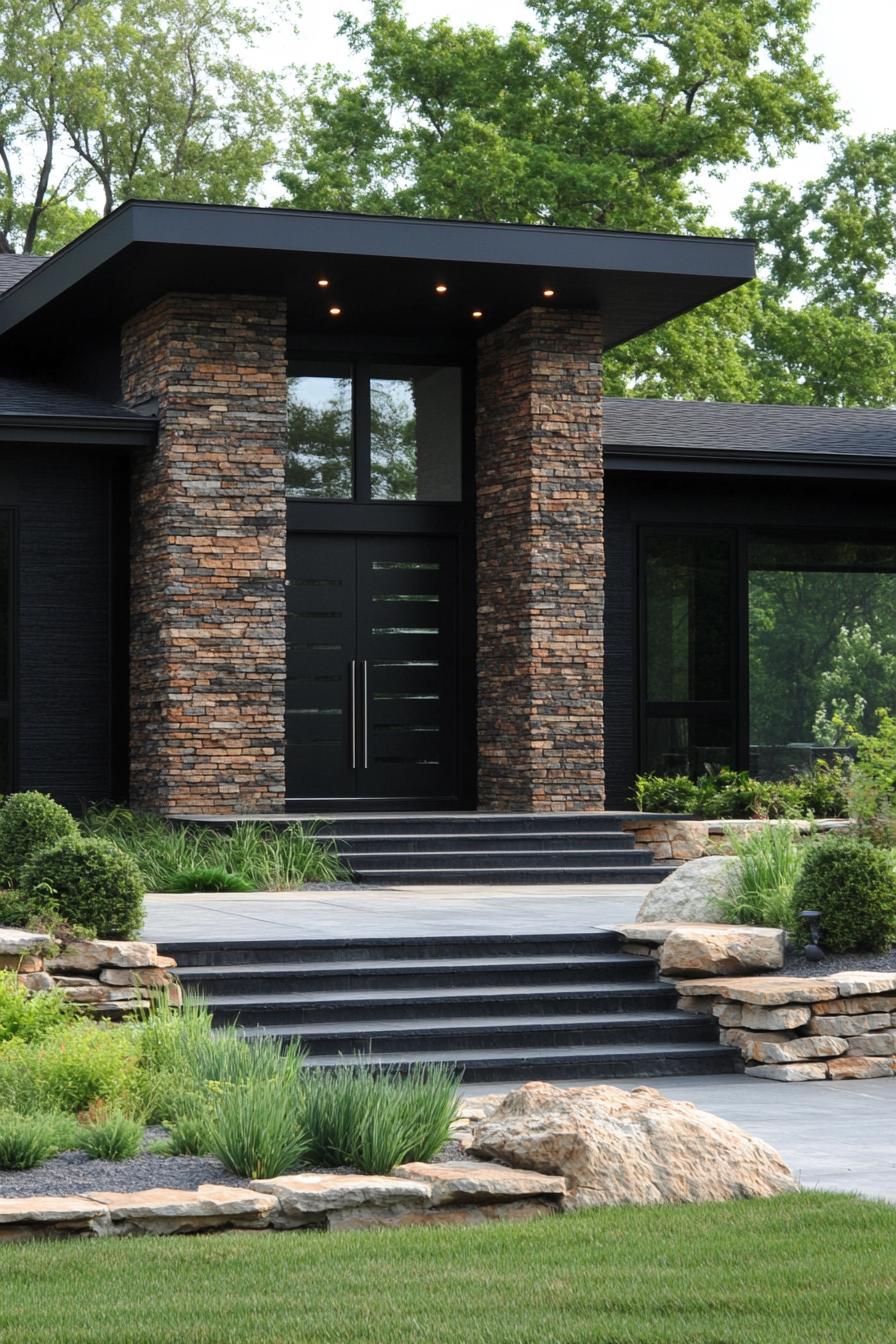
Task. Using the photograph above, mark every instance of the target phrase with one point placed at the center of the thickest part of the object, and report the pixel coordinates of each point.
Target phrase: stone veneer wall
(540, 564)
(208, 641)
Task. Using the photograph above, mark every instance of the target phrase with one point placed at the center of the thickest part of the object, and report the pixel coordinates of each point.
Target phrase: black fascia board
(727, 463)
(90, 431)
(669, 274)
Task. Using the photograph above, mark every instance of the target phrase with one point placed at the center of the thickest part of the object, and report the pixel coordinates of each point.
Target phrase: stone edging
(787, 1028)
(678, 839)
(418, 1194)
(105, 977)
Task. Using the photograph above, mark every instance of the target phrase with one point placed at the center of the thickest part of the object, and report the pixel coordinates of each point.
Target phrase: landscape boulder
(638, 1147)
(721, 949)
(692, 894)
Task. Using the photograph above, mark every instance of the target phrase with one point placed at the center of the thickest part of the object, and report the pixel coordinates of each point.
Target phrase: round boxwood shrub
(853, 884)
(29, 822)
(91, 883)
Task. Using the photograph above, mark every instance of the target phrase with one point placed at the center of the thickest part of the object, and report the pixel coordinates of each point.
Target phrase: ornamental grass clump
(28, 1140)
(374, 1119)
(30, 822)
(114, 1138)
(254, 1129)
(764, 883)
(852, 882)
(173, 857)
(90, 883)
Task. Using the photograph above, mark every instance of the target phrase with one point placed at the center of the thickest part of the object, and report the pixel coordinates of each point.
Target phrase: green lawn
(802, 1269)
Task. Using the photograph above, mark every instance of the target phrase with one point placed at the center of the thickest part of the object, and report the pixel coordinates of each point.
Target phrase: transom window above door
(374, 431)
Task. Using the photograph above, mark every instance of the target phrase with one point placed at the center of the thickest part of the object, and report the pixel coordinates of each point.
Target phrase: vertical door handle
(354, 713)
(364, 707)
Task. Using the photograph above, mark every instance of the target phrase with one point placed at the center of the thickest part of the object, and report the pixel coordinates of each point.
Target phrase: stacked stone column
(208, 618)
(540, 564)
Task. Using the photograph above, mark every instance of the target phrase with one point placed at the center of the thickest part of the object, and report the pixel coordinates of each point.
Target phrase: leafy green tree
(597, 113)
(103, 100)
(807, 635)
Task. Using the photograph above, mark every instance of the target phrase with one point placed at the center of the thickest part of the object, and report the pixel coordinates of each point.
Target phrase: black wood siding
(635, 499)
(70, 652)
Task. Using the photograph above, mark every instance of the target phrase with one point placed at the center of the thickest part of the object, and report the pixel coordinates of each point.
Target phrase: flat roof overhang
(382, 272)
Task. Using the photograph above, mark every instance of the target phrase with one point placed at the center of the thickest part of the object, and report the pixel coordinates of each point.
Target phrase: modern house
(318, 512)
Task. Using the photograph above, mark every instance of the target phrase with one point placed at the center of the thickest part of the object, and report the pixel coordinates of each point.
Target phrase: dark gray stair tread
(429, 964)
(510, 1053)
(643, 856)
(511, 870)
(466, 836)
(605, 989)
(446, 1025)
(508, 875)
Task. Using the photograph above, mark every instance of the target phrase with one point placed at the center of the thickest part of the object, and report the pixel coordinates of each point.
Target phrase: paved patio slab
(368, 912)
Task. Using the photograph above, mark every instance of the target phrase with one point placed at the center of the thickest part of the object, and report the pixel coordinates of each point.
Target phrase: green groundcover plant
(30, 1017)
(821, 792)
(253, 1104)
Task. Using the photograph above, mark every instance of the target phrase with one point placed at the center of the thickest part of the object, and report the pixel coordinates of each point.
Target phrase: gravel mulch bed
(796, 964)
(74, 1173)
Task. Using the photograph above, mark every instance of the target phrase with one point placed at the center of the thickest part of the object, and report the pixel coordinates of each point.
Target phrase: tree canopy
(102, 101)
(604, 113)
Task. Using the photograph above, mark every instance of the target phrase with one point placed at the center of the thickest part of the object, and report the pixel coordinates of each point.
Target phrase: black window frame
(724, 710)
(8, 706)
(736, 709)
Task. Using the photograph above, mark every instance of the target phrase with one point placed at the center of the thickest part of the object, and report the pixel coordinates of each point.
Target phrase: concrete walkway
(835, 1136)
(367, 912)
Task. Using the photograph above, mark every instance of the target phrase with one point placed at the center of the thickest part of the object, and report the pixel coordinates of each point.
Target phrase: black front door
(372, 670)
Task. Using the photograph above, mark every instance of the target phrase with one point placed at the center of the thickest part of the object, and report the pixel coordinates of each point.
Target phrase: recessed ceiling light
(323, 283)
(549, 293)
(441, 289)
(477, 312)
(334, 312)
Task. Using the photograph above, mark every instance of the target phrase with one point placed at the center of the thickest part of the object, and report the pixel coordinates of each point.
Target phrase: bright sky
(855, 39)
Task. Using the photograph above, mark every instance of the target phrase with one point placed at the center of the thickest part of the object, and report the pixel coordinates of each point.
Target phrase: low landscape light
(477, 312)
(441, 289)
(335, 312)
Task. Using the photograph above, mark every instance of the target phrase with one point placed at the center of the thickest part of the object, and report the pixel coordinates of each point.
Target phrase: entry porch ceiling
(382, 273)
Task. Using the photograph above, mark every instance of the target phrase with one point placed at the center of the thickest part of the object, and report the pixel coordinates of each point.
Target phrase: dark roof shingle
(723, 428)
(14, 268)
(20, 397)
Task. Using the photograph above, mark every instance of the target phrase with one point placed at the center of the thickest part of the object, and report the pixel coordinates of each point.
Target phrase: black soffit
(382, 272)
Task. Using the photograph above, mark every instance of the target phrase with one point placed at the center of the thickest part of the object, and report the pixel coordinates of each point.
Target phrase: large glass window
(773, 690)
(415, 433)
(822, 640)
(687, 595)
(374, 432)
(688, 616)
(319, 432)
(5, 651)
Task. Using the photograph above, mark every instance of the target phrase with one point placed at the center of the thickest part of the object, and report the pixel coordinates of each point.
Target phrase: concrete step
(422, 947)
(447, 842)
(505, 1063)
(290, 977)
(465, 858)
(473, 1034)
(511, 875)
(351, 1007)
